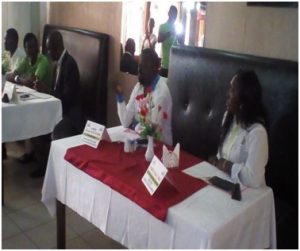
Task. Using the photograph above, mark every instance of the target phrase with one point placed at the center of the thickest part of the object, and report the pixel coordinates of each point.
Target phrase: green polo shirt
(167, 44)
(41, 69)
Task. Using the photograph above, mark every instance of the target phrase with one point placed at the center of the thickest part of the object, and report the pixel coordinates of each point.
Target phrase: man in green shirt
(34, 70)
(167, 36)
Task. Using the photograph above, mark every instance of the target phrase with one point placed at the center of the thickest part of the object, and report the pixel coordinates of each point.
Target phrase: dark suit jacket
(67, 89)
(128, 64)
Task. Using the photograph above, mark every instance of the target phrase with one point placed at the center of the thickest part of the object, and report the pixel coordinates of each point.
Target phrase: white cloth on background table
(30, 117)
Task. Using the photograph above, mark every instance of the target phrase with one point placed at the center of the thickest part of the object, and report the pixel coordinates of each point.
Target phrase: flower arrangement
(150, 116)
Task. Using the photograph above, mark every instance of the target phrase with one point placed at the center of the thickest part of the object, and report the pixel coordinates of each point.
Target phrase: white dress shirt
(247, 149)
(148, 43)
(57, 67)
(161, 97)
(16, 58)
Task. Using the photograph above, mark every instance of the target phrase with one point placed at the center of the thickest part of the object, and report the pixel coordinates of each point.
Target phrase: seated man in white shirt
(153, 90)
(15, 54)
(11, 40)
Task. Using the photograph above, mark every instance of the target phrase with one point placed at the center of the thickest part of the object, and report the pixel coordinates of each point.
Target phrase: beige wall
(271, 32)
(262, 31)
(23, 16)
(103, 17)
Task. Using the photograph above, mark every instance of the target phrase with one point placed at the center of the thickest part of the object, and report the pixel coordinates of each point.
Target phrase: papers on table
(205, 171)
(40, 95)
(119, 133)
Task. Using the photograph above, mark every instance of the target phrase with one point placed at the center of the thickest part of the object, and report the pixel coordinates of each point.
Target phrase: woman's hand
(222, 164)
(213, 160)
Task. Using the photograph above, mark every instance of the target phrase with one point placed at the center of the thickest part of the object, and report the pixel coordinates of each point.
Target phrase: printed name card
(10, 91)
(154, 175)
(93, 133)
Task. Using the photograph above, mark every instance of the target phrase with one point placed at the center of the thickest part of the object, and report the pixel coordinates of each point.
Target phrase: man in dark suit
(128, 63)
(66, 87)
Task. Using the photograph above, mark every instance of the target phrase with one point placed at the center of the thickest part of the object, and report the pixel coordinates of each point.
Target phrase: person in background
(167, 36)
(154, 87)
(149, 40)
(128, 63)
(66, 87)
(243, 149)
(16, 54)
(9, 64)
(34, 71)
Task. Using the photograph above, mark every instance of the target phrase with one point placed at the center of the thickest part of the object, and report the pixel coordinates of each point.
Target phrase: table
(207, 219)
(29, 118)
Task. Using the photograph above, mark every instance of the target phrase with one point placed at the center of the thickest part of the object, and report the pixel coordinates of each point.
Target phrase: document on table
(205, 170)
(119, 133)
(40, 95)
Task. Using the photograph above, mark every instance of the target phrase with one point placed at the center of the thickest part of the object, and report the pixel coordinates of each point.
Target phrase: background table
(30, 118)
(207, 219)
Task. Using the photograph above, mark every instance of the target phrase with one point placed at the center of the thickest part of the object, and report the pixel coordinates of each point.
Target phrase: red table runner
(123, 172)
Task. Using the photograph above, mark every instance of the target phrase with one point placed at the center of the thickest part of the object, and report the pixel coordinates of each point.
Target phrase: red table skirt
(123, 172)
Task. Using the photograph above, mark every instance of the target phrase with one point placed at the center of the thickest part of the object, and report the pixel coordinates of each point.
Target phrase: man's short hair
(28, 37)
(12, 33)
(173, 10)
(151, 54)
(56, 39)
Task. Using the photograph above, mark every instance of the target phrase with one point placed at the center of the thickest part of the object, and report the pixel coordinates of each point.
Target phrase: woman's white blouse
(247, 149)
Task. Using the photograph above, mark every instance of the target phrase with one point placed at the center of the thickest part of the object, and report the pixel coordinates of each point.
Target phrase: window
(190, 21)
(133, 23)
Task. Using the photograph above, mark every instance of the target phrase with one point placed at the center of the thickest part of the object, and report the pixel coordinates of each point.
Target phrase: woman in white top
(149, 39)
(243, 149)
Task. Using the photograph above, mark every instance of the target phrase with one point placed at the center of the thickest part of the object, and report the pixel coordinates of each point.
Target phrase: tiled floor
(26, 223)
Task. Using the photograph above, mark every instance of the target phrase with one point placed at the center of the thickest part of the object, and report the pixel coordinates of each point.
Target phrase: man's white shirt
(16, 58)
(161, 97)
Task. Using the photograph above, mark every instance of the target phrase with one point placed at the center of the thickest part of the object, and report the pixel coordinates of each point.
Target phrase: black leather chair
(90, 50)
(198, 82)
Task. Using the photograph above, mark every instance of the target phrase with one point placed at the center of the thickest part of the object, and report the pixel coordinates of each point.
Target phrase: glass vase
(150, 149)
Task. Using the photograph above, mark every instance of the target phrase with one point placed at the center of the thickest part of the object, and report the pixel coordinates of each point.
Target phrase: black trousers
(163, 72)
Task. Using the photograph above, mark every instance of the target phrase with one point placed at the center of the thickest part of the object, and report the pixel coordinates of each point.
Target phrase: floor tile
(78, 223)
(97, 240)
(44, 236)
(9, 228)
(77, 243)
(20, 241)
(31, 217)
(19, 200)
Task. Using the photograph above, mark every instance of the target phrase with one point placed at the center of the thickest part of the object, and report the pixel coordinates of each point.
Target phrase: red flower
(144, 112)
(139, 97)
(165, 115)
(148, 89)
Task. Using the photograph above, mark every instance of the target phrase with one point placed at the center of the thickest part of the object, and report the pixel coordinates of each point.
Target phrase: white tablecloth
(207, 219)
(30, 118)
